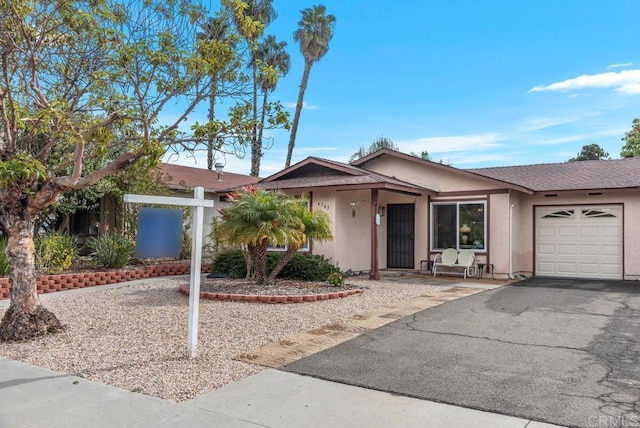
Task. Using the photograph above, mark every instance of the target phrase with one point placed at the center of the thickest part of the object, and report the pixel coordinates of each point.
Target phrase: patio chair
(451, 258)
(448, 258)
(467, 259)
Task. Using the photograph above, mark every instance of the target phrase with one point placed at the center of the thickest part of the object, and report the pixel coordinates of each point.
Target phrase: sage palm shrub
(112, 251)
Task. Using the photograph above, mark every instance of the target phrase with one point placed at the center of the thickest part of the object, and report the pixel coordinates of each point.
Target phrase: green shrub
(230, 263)
(336, 279)
(185, 243)
(307, 268)
(301, 266)
(55, 252)
(112, 251)
(4, 262)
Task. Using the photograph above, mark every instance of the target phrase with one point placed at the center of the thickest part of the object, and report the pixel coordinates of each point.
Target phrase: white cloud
(538, 123)
(626, 82)
(581, 137)
(621, 65)
(305, 106)
(454, 143)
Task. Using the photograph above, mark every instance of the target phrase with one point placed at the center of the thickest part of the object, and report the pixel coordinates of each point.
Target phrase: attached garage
(581, 241)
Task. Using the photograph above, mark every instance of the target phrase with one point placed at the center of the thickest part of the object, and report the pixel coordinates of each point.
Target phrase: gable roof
(442, 167)
(580, 175)
(313, 173)
(181, 177)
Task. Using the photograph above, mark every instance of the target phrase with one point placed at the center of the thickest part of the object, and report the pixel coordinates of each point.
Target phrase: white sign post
(199, 203)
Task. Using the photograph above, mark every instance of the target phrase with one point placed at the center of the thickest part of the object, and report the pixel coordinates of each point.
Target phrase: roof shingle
(580, 175)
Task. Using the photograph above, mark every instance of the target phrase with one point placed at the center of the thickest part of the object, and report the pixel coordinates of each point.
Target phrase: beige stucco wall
(438, 179)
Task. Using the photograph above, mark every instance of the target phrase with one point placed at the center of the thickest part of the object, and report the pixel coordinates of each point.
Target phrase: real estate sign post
(199, 203)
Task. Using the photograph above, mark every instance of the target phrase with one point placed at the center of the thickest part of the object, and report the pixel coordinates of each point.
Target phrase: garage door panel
(588, 268)
(567, 231)
(611, 250)
(546, 268)
(546, 249)
(546, 231)
(579, 241)
(611, 269)
(567, 249)
(567, 267)
(589, 250)
(611, 231)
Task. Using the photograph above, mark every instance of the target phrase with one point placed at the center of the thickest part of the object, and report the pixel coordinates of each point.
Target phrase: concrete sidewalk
(33, 397)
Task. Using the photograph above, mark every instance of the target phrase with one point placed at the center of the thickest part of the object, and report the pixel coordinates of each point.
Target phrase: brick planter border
(68, 281)
(260, 298)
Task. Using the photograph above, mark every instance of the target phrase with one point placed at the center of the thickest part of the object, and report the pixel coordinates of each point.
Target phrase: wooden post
(375, 274)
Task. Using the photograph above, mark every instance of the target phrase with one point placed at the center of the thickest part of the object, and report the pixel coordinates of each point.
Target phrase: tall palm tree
(314, 33)
(270, 53)
(215, 29)
(315, 226)
(263, 12)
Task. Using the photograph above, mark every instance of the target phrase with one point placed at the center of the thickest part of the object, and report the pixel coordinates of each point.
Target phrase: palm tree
(272, 55)
(216, 29)
(255, 218)
(316, 227)
(263, 12)
(314, 33)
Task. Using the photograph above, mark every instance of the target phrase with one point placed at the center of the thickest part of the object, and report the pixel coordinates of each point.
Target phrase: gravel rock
(135, 337)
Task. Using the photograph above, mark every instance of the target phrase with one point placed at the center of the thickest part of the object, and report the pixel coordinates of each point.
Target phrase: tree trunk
(259, 256)
(263, 114)
(211, 117)
(296, 117)
(26, 318)
(256, 147)
(286, 256)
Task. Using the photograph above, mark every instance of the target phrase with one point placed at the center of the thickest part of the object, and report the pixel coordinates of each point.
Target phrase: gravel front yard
(135, 337)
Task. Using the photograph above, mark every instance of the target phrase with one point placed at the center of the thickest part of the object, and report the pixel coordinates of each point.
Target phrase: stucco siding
(353, 230)
(438, 179)
(325, 201)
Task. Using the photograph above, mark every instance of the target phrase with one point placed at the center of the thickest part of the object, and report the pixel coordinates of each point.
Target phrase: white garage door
(579, 241)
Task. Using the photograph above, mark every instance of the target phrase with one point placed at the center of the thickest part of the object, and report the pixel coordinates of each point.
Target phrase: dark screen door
(400, 235)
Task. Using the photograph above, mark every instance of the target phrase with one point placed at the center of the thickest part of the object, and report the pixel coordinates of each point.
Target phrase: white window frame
(457, 204)
(305, 248)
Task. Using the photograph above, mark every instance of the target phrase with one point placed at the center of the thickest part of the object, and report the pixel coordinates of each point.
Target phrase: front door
(400, 235)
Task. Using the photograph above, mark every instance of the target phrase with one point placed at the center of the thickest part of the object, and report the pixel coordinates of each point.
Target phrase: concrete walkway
(32, 397)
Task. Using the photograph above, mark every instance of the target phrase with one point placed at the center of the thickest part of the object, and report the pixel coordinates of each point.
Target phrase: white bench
(450, 258)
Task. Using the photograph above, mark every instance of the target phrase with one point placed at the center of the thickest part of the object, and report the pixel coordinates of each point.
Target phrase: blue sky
(475, 83)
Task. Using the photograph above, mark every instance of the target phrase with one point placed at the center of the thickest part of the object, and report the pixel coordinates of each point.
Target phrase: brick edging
(259, 298)
(70, 281)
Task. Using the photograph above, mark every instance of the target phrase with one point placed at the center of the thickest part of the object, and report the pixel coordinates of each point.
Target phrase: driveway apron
(554, 350)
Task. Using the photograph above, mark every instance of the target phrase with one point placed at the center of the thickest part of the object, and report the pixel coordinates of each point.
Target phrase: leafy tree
(216, 35)
(590, 152)
(423, 155)
(631, 147)
(377, 144)
(82, 81)
(314, 34)
(256, 218)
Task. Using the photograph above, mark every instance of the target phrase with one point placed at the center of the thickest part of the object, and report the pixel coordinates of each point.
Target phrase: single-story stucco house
(575, 219)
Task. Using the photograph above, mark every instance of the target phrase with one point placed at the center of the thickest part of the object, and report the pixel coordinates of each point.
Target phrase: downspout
(511, 207)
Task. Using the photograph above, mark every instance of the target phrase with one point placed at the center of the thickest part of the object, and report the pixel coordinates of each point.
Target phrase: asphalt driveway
(560, 351)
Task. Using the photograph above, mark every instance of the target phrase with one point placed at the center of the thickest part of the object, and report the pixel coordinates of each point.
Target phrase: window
(458, 225)
(305, 248)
